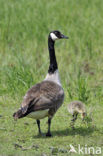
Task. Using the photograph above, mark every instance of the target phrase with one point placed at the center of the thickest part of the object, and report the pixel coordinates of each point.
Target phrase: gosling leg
(73, 120)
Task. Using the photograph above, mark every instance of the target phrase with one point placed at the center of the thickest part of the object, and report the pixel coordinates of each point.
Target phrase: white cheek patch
(53, 36)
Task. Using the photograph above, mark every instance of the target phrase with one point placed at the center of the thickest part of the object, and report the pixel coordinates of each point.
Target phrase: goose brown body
(46, 95)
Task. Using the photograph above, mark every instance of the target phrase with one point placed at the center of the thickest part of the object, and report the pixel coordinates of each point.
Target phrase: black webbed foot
(48, 135)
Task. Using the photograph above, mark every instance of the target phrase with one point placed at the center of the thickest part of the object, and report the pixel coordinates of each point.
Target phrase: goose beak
(63, 36)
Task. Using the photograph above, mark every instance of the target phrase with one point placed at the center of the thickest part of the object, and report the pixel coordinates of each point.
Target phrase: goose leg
(49, 124)
(38, 123)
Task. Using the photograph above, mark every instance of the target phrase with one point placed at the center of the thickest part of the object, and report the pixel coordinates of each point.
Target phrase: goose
(75, 108)
(43, 99)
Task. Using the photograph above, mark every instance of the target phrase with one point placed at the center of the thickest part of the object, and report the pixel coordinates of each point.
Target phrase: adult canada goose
(75, 108)
(43, 99)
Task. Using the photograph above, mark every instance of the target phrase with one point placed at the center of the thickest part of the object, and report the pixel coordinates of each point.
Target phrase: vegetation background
(24, 61)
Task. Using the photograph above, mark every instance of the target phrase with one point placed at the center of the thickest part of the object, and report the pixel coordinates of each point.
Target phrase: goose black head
(55, 35)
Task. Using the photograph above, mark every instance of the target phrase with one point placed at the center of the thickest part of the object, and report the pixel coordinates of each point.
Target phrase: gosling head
(55, 35)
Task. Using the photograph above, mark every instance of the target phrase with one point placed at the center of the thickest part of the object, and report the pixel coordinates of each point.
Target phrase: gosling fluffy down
(77, 107)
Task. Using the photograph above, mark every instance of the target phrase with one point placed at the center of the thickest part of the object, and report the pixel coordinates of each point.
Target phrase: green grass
(24, 28)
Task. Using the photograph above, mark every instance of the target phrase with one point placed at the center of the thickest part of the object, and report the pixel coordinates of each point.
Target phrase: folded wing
(44, 95)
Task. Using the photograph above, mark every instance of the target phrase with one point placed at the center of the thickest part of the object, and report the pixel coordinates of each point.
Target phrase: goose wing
(44, 95)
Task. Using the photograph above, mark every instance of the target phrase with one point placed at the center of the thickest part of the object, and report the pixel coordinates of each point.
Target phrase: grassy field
(24, 61)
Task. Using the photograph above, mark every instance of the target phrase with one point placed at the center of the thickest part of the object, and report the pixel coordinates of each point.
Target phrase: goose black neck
(53, 63)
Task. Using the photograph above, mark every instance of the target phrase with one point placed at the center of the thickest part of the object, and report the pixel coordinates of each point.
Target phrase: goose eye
(57, 34)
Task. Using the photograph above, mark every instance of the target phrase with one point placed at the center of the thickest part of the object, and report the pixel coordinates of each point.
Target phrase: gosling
(75, 108)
